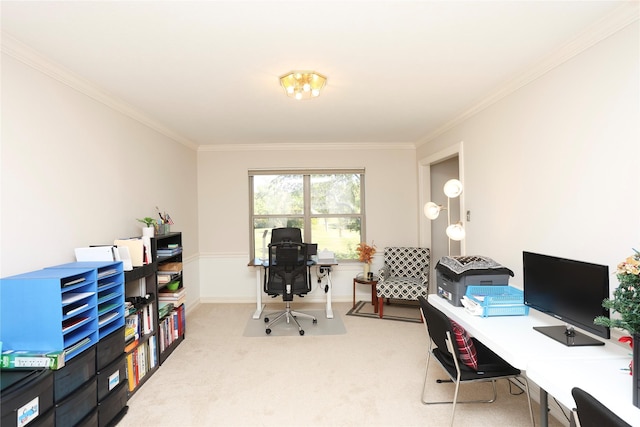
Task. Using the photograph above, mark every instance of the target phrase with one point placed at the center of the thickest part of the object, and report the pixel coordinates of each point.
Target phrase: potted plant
(626, 302)
(365, 254)
(149, 229)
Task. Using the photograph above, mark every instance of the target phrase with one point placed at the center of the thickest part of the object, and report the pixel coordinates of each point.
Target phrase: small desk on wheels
(554, 367)
(323, 264)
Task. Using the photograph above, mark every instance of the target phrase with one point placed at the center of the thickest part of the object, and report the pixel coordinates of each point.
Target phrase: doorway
(434, 171)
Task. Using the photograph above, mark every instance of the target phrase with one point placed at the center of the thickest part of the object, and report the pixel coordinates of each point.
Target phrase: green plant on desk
(148, 221)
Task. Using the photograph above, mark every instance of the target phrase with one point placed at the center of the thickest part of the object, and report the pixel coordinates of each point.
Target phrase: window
(327, 205)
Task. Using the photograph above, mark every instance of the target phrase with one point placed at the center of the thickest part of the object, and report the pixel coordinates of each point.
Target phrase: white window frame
(306, 216)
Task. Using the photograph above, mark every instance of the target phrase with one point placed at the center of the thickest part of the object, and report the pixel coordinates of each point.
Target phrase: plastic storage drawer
(78, 405)
(113, 407)
(109, 348)
(75, 373)
(26, 395)
(90, 420)
(111, 377)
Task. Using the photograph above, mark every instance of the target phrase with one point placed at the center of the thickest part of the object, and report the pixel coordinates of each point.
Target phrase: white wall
(553, 167)
(76, 173)
(223, 185)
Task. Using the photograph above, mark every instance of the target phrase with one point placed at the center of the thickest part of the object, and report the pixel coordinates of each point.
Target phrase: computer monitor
(569, 290)
(286, 234)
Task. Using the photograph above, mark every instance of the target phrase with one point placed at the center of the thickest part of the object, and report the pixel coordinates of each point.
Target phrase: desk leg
(544, 408)
(259, 304)
(328, 294)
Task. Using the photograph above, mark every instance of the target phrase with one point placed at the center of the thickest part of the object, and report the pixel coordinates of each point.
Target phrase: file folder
(136, 250)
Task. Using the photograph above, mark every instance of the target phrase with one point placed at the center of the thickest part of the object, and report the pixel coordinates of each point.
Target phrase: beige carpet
(370, 376)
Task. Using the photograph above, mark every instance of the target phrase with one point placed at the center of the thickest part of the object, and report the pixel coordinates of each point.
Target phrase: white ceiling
(207, 71)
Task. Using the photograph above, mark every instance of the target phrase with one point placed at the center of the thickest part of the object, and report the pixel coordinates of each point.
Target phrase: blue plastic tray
(498, 300)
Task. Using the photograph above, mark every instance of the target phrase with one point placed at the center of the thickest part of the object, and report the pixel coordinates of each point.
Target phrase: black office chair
(590, 412)
(444, 349)
(286, 234)
(288, 274)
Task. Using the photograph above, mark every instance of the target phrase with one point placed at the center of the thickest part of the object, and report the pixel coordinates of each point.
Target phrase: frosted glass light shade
(431, 210)
(455, 231)
(452, 188)
(303, 84)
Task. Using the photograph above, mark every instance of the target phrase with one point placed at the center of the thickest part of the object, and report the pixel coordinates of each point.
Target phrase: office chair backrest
(438, 324)
(288, 272)
(592, 413)
(286, 234)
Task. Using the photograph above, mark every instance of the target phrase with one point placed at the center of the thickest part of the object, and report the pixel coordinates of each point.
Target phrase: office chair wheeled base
(289, 315)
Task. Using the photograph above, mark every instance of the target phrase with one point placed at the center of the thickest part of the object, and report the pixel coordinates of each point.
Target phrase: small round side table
(364, 281)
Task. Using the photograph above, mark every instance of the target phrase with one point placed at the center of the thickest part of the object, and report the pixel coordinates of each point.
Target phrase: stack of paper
(177, 298)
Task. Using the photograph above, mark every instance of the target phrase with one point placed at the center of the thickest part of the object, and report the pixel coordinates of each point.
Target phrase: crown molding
(309, 146)
(610, 24)
(31, 58)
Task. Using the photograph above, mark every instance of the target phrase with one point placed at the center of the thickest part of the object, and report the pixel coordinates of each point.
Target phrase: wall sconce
(455, 231)
(303, 84)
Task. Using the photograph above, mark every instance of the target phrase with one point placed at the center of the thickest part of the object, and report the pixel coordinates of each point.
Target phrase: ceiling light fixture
(452, 189)
(303, 84)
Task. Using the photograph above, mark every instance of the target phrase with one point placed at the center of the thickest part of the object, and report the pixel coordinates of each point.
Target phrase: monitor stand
(567, 336)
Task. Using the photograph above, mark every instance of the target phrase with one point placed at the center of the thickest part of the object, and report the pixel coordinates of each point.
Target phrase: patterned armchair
(405, 275)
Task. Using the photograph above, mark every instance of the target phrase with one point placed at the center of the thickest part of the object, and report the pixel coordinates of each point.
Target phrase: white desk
(604, 379)
(257, 262)
(542, 358)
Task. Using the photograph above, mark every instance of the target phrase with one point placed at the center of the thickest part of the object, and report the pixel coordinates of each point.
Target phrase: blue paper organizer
(498, 300)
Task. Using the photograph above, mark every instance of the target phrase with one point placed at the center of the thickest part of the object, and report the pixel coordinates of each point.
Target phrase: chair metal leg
(424, 388)
(305, 315)
(289, 315)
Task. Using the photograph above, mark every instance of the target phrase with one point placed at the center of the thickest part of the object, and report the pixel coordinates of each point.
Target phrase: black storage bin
(109, 348)
(114, 406)
(47, 419)
(26, 394)
(75, 373)
(90, 420)
(78, 405)
(111, 376)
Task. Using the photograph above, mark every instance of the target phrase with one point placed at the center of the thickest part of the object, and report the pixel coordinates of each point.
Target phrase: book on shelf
(147, 318)
(176, 301)
(167, 294)
(153, 352)
(133, 344)
(175, 267)
(133, 322)
(130, 372)
(163, 279)
(165, 252)
(164, 308)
